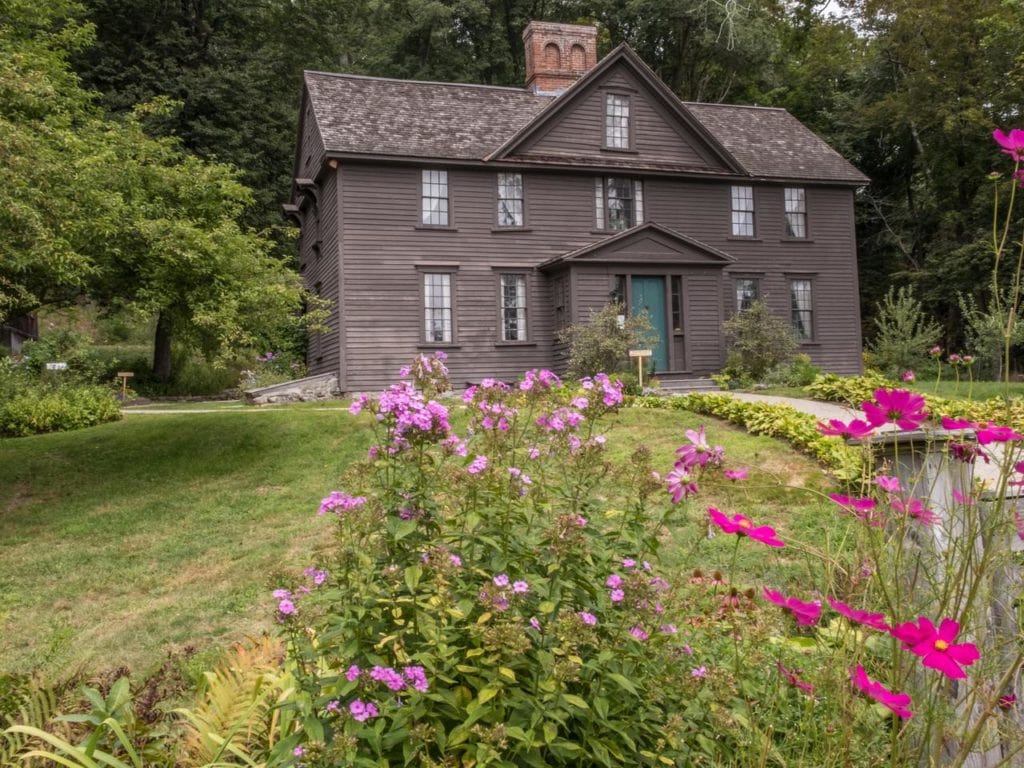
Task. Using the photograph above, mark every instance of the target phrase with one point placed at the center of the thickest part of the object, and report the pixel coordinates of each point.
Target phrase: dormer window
(616, 121)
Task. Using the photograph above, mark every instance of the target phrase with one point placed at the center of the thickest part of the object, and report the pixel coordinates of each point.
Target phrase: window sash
(616, 121)
(743, 211)
(747, 292)
(802, 308)
(510, 199)
(796, 212)
(513, 307)
(434, 198)
(437, 307)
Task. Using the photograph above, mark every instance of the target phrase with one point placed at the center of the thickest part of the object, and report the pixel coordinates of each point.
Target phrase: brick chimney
(557, 55)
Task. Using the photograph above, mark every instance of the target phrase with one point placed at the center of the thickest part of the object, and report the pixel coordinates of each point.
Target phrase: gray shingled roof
(410, 118)
(771, 142)
(378, 116)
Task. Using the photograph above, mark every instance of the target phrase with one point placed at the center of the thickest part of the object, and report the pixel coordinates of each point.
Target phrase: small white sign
(640, 353)
(56, 366)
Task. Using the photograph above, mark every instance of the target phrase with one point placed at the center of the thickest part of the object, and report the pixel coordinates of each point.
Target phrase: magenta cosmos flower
(742, 526)
(936, 647)
(680, 483)
(873, 620)
(897, 702)
(1012, 143)
(804, 613)
(901, 407)
(698, 452)
(996, 434)
(950, 423)
(914, 508)
(848, 431)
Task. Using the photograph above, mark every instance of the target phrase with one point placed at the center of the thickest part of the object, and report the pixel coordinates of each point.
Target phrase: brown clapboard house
(482, 220)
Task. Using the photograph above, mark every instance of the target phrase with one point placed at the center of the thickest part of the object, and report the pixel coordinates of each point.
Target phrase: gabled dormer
(617, 114)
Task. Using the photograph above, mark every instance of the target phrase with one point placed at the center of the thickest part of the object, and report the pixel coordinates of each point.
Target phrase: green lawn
(967, 390)
(127, 540)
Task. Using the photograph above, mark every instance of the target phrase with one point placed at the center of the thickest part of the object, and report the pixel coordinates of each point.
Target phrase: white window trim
(519, 222)
(618, 121)
(521, 307)
(601, 209)
(438, 308)
(435, 199)
(807, 310)
(742, 207)
(795, 204)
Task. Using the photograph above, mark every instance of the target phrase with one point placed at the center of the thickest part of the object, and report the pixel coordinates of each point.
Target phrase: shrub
(758, 342)
(602, 342)
(39, 408)
(798, 373)
(903, 333)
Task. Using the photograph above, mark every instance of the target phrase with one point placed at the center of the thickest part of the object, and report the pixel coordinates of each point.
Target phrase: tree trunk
(162, 349)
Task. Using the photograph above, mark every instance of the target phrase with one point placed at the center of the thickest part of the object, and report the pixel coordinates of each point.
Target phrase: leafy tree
(601, 343)
(97, 207)
(903, 333)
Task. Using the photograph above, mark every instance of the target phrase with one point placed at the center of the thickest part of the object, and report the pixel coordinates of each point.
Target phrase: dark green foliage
(43, 409)
(601, 344)
(758, 342)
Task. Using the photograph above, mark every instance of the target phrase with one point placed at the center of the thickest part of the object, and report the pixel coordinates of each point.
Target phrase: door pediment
(647, 244)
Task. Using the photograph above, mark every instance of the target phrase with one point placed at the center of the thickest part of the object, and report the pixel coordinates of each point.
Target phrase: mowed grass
(968, 390)
(126, 541)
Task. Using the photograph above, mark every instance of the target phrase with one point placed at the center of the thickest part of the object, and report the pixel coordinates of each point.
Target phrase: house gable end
(662, 131)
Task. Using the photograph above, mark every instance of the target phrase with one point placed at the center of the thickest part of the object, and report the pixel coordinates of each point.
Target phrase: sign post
(124, 376)
(641, 355)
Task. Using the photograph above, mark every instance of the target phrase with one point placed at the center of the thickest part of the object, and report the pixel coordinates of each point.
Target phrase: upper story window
(510, 199)
(618, 202)
(616, 121)
(796, 212)
(434, 199)
(743, 211)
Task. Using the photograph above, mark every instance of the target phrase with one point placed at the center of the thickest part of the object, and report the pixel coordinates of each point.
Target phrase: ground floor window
(513, 306)
(802, 308)
(747, 292)
(437, 307)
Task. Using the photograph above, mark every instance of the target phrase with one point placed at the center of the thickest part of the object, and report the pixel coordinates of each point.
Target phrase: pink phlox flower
(478, 465)
(417, 677)
(908, 376)
(936, 647)
(805, 614)
(639, 633)
(340, 502)
(534, 623)
(628, 562)
(668, 629)
(897, 702)
(742, 526)
(614, 581)
(935, 351)
(286, 607)
(699, 672)
(996, 434)
(358, 404)
(698, 452)
(281, 593)
(587, 618)
(455, 560)
(735, 474)
(868, 619)
(388, 676)
(333, 706)
(888, 483)
(580, 402)
(855, 429)
(950, 423)
(581, 521)
(352, 673)
(318, 576)
(362, 711)
(520, 587)
(501, 580)
(793, 678)
(1012, 143)
(680, 484)
(901, 407)
(617, 595)
(914, 508)
(299, 751)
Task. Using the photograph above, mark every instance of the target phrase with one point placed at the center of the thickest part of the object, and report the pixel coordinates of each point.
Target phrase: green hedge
(781, 421)
(39, 409)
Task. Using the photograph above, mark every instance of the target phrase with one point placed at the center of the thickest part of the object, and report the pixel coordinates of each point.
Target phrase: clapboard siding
(384, 253)
(657, 135)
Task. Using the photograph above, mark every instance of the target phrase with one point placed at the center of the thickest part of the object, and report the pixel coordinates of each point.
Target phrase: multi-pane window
(677, 304)
(616, 121)
(434, 198)
(437, 307)
(618, 203)
(796, 212)
(747, 292)
(802, 311)
(510, 199)
(743, 211)
(513, 307)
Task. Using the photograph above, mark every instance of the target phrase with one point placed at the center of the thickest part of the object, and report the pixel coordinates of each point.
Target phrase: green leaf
(576, 701)
(550, 732)
(486, 694)
(507, 673)
(413, 574)
(623, 682)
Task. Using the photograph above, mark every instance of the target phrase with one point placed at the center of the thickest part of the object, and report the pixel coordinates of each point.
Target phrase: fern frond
(37, 706)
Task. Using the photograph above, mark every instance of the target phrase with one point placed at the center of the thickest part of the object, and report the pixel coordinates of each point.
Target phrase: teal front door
(648, 294)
